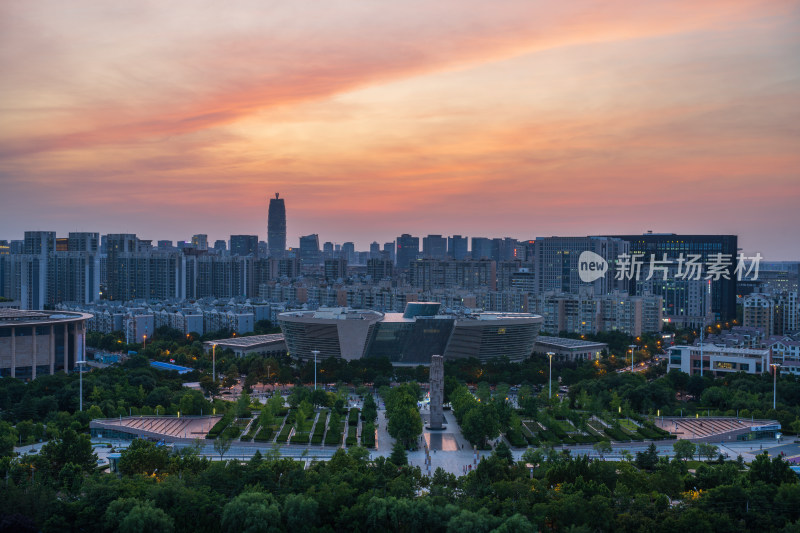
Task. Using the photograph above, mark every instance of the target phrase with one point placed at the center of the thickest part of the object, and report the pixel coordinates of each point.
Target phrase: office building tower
(73, 277)
(349, 252)
(39, 242)
(407, 250)
(276, 227)
(389, 249)
(16, 247)
(62, 244)
(200, 241)
(481, 248)
(83, 242)
(244, 245)
(434, 247)
(374, 250)
(457, 247)
(335, 269)
(219, 245)
(263, 249)
(309, 250)
(379, 268)
(673, 246)
(165, 245)
(327, 250)
(557, 267)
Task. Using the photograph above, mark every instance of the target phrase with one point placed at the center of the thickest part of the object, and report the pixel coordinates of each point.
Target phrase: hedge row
(265, 434)
(319, 429)
(352, 439)
(221, 424)
(334, 435)
(352, 417)
(514, 437)
(368, 435)
(300, 438)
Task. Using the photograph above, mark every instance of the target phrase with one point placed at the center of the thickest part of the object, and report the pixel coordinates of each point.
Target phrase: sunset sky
(376, 118)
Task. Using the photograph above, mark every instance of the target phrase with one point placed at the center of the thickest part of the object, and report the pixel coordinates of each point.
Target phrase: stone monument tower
(437, 392)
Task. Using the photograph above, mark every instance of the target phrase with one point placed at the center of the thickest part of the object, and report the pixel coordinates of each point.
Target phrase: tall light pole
(775, 367)
(702, 332)
(214, 362)
(632, 347)
(550, 387)
(316, 353)
(80, 372)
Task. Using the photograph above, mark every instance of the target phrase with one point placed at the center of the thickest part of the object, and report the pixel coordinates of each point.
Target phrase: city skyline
(451, 118)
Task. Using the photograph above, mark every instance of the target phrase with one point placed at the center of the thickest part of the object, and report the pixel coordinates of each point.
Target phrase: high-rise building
(244, 245)
(672, 246)
(407, 250)
(200, 241)
(309, 250)
(434, 247)
(388, 248)
(349, 252)
(276, 227)
(165, 245)
(557, 268)
(374, 250)
(219, 245)
(379, 268)
(39, 242)
(481, 248)
(83, 242)
(335, 269)
(457, 247)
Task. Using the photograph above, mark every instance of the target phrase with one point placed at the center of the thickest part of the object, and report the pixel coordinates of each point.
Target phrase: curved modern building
(33, 343)
(411, 337)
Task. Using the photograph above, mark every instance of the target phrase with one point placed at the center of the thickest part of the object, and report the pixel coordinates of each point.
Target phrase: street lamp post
(80, 374)
(214, 362)
(550, 386)
(775, 367)
(316, 353)
(632, 347)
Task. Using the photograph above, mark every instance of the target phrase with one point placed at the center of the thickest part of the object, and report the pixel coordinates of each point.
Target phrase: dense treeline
(162, 491)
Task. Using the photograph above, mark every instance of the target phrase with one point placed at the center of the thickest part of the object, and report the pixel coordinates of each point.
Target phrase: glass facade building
(409, 338)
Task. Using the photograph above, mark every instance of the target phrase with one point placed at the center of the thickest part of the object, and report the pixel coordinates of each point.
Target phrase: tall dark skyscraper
(407, 250)
(723, 291)
(276, 227)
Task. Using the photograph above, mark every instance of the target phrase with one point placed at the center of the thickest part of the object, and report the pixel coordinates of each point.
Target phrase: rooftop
(247, 342)
(19, 317)
(562, 342)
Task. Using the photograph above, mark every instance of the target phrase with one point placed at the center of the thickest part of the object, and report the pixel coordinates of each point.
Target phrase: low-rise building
(718, 360)
(569, 349)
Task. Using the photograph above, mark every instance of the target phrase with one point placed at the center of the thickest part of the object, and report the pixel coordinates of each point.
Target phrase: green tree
(143, 457)
(222, 444)
(300, 513)
(771, 471)
(252, 512)
(405, 425)
(648, 459)
(707, 450)
(480, 423)
(502, 451)
(8, 439)
(146, 517)
(70, 448)
(603, 447)
(398, 456)
(684, 449)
